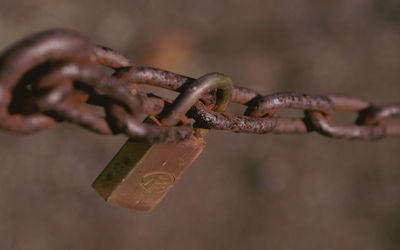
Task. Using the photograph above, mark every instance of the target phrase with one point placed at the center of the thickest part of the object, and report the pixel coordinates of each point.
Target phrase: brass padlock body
(141, 173)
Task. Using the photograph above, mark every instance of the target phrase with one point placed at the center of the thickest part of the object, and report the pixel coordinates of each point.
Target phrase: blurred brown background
(245, 191)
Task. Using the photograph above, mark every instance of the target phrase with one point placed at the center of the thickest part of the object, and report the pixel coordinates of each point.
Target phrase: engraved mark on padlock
(157, 182)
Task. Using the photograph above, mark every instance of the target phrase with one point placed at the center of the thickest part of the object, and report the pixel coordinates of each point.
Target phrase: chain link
(52, 76)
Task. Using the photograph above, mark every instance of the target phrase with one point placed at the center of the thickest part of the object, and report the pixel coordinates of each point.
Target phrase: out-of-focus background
(244, 191)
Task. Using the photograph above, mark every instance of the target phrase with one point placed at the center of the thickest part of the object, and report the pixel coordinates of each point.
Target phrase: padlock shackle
(195, 91)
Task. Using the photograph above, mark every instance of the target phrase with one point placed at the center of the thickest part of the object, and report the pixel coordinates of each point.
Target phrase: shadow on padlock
(142, 173)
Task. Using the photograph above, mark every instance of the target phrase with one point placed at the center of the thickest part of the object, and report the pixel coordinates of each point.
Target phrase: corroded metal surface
(51, 76)
(141, 173)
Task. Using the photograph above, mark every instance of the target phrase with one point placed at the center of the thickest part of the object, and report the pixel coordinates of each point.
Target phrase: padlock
(141, 173)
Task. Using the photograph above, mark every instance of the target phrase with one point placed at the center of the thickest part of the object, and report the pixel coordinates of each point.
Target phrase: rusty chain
(51, 76)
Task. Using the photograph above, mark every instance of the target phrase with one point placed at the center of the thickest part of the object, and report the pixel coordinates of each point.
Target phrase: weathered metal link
(52, 64)
(111, 58)
(381, 116)
(51, 77)
(374, 115)
(349, 103)
(222, 83)
(152, 76)
(267, 105)
(23, 57)
(349, 132)
(323, 124)
(235, 123)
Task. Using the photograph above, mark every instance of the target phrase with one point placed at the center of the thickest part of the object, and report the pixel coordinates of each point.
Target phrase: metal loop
(350, 132)
(61, 46)
(267, 105)
(380, 116)
(195, 91)
(51, 45)
(111, 58)
(375, 115)
(349, 103)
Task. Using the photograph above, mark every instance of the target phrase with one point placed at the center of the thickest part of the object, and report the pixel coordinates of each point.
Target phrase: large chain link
(51, 77)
